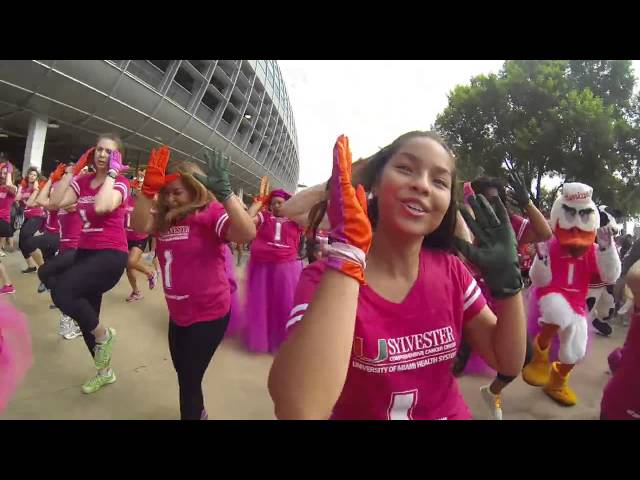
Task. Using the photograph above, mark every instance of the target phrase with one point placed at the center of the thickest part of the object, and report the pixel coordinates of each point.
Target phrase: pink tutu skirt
(235, 322)
(15, 351)
(270, 290)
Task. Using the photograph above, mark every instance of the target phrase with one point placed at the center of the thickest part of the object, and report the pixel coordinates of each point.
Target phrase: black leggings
(54, 267)
(78, 290)
(192, 349)
(48, 244)
(6, 229)
(26, 240)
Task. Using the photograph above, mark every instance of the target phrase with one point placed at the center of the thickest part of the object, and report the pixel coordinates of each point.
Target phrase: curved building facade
(240, 107)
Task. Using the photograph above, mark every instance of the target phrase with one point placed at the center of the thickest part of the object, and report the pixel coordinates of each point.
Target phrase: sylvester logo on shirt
(406, 353)
(179, 232)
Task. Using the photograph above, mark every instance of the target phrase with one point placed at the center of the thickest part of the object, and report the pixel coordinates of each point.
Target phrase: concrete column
(35, 143)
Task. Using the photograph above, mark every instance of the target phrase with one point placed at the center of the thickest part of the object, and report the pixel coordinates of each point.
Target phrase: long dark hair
(441, 237)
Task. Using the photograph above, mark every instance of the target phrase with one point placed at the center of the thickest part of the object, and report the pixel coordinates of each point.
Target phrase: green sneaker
(96, 383)
(102, 355)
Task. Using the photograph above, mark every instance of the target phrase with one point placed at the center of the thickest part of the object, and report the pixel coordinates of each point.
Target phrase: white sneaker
(624, 309)
(65, 325)
(2, 253)
(493, 403)
(73, 332)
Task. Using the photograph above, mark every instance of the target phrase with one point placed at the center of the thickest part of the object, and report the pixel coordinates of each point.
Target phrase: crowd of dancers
(406, 285)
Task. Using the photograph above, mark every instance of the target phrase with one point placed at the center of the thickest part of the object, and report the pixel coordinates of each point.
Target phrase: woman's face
(276, 205)
(3, 174)
(32, 177)
(103, 149)
(414, 188)
(177, 194)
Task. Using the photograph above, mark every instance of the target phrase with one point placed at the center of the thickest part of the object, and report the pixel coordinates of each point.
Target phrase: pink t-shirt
(191, 255)
(70, 228)
(30, 212)
(277, 239)
(7, 197)
(51, 225)
(101, 232)
(621, 399)
(400, 366)
(131, 233)
(570, 276)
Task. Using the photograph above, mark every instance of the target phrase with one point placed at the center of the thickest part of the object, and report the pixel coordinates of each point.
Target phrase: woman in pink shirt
(137, 243)
(34, 218)
(8, 193)
(621, 398)
(376, 324)
(272, 274)
(70, 226)
(192, 231)
(101, 256)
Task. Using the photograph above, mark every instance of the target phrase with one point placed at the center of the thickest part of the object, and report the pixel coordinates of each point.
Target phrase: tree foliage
(574, 119)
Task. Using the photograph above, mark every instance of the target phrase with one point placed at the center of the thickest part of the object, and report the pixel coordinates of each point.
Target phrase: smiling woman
(366, 318)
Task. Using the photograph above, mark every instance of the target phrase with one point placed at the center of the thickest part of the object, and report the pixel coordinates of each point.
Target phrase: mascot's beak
(574, 237)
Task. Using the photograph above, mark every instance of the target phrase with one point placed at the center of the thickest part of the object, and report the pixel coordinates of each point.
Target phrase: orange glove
(155, 178)
(347, 211)
(263, 194)
(83, 160)
(57, 174)
(24, 183)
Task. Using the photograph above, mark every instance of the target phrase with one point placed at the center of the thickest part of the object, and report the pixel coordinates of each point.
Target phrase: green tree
(575, 119)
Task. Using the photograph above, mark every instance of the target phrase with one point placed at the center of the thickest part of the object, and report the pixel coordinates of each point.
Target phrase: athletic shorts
(141, 244)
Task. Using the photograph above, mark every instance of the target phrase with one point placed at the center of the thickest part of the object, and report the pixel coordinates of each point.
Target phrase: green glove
(519, 195)
(496, 254)
(217, 178)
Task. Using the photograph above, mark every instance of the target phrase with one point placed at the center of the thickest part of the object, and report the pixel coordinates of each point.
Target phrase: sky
(370, 101)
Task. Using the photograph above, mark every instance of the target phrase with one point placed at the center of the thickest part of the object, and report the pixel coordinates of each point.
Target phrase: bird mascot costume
(560, 273)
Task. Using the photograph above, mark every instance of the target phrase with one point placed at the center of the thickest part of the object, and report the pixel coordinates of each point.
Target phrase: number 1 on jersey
(402, 404)
(168, 258)
(83, 215)
(278, 234)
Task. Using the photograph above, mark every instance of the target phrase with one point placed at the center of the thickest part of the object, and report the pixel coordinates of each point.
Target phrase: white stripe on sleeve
(294, 320)
(76, 187)
(222, 221)
(298, 308)
(470, 288)
(471, 300)
(523, 227)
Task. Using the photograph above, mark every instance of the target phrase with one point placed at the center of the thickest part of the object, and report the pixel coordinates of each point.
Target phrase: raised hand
(115, 162)
(496, 252)
(83, 161)
(217, 175)
(57, 174)
(347, 211)
(518, 195)
(263, 193)
(604, 238)
(155, 177)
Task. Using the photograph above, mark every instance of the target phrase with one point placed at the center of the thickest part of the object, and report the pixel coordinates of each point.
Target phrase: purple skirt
(270, 290)
(236, 320)
(15, 351)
